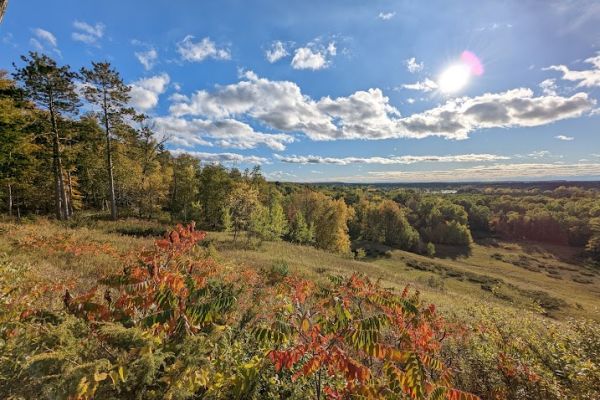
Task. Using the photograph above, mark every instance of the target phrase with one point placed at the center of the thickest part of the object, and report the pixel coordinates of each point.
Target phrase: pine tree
(300, 232)
(105, 89)
(51, 88)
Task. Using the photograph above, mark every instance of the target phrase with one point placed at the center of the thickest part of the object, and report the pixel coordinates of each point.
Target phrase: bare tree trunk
(10, 200)
(3, 4)
(70, 187)
(60, 197)
(109, 163)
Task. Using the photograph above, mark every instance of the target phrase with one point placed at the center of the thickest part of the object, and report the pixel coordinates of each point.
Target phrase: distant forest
(57, 161)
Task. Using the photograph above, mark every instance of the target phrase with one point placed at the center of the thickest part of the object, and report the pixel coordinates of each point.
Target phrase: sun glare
(454, 78)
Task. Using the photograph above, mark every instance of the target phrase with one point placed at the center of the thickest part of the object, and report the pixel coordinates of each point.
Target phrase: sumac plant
(175, 324)
(352, 338)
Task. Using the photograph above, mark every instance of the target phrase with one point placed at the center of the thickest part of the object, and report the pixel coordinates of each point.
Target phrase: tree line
(69, 141)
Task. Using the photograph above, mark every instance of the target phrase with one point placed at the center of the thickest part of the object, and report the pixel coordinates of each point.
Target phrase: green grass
(547, 279)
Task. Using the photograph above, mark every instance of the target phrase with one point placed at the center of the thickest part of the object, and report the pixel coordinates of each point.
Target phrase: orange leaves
(366, 338)
(287, 358)
(65, 243)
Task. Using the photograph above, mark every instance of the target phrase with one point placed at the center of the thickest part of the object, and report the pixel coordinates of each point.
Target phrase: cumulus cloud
(525, 171)
(222, 157)
(314, 56)
(368, 114)
(426, 85)
(86, 33)
(200, 51)
(386, 16)
(145, 92)
(276, 52)
(459, 158)
(147, 58)
(564, 137)
(413, 66)
(584, 78)
(227, 133)
(518, 107)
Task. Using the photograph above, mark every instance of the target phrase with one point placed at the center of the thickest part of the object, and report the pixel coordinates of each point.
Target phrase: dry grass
(498, 274)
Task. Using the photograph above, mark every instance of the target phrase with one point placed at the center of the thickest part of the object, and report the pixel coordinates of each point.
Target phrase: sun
(454, 78)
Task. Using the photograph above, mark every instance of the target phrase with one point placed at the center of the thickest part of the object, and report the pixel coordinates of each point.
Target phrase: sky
(346, 90)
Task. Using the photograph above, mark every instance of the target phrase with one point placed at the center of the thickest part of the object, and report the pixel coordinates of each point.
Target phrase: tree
(242, 203)
(53, 89)
(300, 232)
(18, 164)
(184, 187)
(331, 231)
(105, 89)
(213, 192)
(277, 223)
(593, 245)
(393, 226)
(154, 179)
(3, 5)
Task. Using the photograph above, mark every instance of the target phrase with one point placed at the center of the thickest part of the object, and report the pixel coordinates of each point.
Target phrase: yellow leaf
(100, 376)
(305, 325)
(121, 373)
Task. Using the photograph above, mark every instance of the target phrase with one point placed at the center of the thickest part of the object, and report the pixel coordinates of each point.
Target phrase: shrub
(176, 325)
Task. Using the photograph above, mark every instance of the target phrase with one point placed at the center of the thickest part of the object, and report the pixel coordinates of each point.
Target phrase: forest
(143, 301)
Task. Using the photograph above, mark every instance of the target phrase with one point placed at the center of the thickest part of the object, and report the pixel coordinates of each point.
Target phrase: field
(531, 301)
(545, 279)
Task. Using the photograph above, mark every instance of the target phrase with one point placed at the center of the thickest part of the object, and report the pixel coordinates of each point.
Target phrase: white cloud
(314, 56)
(549, 87)
(423, 86)
(199, 51)
(413, 66)
(306, 58)
(222, 157)
(86, 33)
(518, 107)
(46, 36)
(386, 16)
(145, 92)
(44, 41)
(584, 78)
(368, 114)
(563, 137)
(279, 175)
(147, 58)
(227, 133)
(277, 51)
(539, 154)
(459, 158)
(525, 171)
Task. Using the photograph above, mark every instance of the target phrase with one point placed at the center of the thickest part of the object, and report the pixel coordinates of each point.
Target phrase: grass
(546, 279)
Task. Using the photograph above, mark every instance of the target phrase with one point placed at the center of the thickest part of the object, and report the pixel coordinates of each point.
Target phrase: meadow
(539, 304)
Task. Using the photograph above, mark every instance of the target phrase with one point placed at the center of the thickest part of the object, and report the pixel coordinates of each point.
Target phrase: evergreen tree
(51, 88)
(105, 89)
(300, 232)
(184, 187)
(17, 146)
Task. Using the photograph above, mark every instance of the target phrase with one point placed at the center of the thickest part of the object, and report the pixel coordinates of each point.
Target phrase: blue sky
(357, 91)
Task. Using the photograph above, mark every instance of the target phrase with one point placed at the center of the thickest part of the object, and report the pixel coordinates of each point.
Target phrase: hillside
(498, 285)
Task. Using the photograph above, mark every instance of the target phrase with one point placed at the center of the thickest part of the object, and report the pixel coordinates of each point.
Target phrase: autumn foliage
(177, 324)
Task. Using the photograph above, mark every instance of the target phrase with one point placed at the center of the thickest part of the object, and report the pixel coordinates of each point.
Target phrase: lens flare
(474, 63)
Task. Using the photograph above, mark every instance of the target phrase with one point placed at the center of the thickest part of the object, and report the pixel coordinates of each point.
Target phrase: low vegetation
(195, 316)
